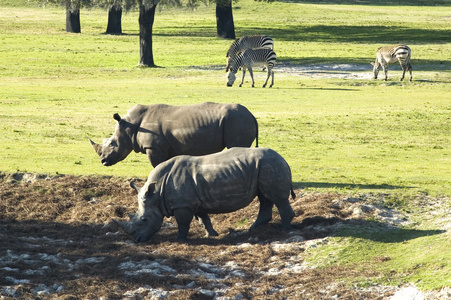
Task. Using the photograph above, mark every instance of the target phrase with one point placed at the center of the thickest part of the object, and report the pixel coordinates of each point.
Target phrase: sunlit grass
(342, 135)
(58, 88)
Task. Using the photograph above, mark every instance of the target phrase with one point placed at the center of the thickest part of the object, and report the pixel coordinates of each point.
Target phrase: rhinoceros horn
(125, 226)
(97, 147)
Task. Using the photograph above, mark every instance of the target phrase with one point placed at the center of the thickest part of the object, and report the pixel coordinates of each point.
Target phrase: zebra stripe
(249, 58)
(248, 42)
(391, 54)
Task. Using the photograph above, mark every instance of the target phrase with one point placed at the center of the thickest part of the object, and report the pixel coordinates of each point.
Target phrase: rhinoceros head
(148, 219)
(118, 146)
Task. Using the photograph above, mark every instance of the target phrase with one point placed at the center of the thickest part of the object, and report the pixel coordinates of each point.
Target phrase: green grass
(335, 133)
(343, 135)
(400, 255)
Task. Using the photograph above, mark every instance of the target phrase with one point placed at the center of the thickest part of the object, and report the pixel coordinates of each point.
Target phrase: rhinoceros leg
(183, 216)
(265, 212)
(286, 213)
(205, 220)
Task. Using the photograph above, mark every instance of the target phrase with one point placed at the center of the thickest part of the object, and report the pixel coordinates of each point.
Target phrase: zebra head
(230, 77)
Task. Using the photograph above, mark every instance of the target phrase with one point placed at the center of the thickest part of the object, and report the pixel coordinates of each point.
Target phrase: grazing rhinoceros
(187, 186)
(163, 131)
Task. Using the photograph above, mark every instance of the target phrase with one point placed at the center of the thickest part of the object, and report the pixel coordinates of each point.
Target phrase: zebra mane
(236, 61)
(233, 46)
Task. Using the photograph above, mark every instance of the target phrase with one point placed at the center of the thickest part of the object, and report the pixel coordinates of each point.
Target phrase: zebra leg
(385, 68)
(242, 79)
(409, 67)
(252, 76)
(272, 81)
(403, 73)
(404, 68)
(267, 78)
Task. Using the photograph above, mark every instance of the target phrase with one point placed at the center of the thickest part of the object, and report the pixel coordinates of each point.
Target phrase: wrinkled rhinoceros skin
(164, 131)
(187, 186)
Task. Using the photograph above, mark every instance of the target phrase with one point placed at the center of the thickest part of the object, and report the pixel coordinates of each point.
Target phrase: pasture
(342, 132)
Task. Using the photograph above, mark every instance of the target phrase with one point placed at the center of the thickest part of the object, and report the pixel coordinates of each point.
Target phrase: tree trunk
(114, 20)
(146, 19)
(72, 19)
(224, 20)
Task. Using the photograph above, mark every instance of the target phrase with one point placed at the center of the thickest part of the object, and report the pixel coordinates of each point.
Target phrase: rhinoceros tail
(256, 134)
(293, 195)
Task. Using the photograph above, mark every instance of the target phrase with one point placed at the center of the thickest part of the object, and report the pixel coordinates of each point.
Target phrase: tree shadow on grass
(352, 34)
(375, 3)
(373, 34)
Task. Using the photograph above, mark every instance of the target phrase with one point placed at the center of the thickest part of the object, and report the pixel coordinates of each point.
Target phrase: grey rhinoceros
(187, 186)
(164, 131)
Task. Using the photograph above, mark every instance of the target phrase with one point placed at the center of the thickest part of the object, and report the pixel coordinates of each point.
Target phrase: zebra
(249, 58)
(391, 54)
(248, 42)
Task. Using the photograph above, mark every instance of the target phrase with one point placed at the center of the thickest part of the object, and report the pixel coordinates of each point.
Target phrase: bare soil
(57, 241)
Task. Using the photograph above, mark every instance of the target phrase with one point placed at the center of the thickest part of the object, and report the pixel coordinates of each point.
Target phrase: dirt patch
(343, 71)
(57, 241)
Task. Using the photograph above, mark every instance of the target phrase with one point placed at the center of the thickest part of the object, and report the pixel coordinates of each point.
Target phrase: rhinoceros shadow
(314, 228)
(318, 227)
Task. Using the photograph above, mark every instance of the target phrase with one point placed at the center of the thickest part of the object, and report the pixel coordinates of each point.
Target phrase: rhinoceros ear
(150, 187)
(136, 187)
(117, 117)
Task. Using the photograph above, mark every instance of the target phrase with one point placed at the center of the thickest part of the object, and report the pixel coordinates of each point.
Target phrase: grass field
(358, 134)
(346, 135)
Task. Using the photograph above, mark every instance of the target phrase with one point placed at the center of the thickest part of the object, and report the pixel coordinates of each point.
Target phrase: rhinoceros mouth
(105, 162)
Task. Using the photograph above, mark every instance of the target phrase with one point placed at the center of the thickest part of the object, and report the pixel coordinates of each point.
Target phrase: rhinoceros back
(225, 181)
(193, 129)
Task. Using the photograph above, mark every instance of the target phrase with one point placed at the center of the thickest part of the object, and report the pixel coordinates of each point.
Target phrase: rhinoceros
(164, 131)
(187, 186)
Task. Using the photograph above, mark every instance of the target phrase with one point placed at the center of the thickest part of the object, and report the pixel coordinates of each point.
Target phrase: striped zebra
(390, 54)
(248, 42)
(249, 58)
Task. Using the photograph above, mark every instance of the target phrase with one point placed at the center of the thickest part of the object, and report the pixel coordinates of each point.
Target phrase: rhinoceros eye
(143, 218)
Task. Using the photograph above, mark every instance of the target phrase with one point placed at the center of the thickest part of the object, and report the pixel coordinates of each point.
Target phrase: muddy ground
(57, 241)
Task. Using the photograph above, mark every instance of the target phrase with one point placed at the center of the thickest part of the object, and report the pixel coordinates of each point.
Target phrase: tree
(114, 8)
(72, 18)
(114, 19)
(225, 27)
(72, 12)
(146, 20)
